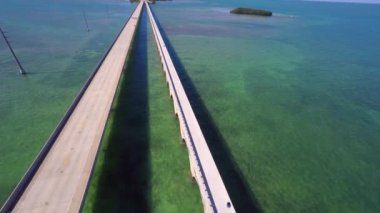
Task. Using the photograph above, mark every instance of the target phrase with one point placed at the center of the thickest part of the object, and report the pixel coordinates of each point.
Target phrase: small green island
(251, 11)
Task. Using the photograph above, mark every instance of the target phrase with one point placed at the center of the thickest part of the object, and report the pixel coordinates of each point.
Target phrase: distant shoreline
(347, 1)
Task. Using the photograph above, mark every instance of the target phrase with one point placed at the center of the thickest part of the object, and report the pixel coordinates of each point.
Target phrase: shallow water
(294, 97)
(52, 42)
(290, 104)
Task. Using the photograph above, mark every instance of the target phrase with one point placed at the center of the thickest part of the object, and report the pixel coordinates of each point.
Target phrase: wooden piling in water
(85, 20)
(20, 67)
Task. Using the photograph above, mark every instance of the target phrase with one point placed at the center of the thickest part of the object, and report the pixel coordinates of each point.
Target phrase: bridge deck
(214, 195)
(60, 182)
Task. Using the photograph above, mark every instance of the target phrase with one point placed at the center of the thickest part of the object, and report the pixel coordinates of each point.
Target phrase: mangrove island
(251, 11)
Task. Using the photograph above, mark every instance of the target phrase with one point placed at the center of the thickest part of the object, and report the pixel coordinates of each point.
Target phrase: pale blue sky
(356, 1)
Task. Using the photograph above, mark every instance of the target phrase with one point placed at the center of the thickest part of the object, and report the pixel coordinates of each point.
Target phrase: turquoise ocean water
(290, 104)
(295, 98)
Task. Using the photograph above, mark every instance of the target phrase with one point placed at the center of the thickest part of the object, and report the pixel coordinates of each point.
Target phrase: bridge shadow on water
(237, 187)
(124, 183)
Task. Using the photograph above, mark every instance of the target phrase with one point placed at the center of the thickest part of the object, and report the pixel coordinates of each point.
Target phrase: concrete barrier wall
(214, 195)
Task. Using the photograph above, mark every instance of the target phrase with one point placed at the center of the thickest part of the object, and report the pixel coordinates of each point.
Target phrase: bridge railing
(214, 195)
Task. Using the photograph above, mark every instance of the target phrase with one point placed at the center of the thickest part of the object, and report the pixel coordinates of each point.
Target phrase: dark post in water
(21, 69)
(85, 20)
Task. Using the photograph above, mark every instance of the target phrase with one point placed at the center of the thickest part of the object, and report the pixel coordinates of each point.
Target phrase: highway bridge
(58, 178)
